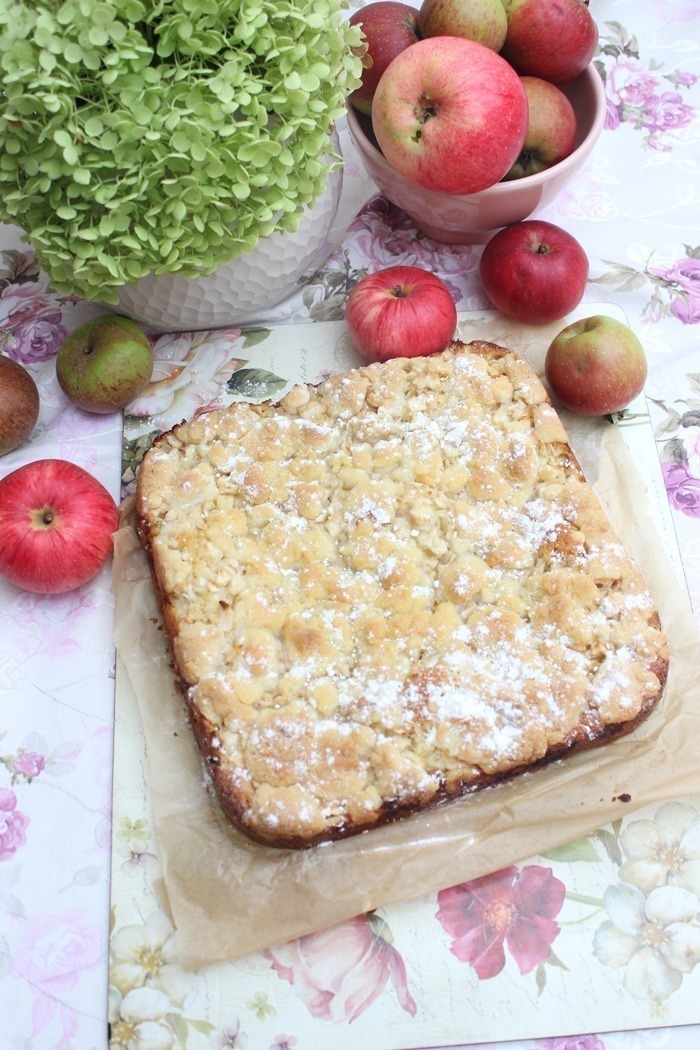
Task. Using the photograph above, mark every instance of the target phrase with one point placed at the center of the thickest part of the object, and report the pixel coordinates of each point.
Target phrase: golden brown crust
(390, 590)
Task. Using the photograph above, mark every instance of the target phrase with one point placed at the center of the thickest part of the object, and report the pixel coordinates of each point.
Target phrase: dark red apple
(596, 366)
(552, 39)
(388, 27)
(551, 129)
(534, 271)
(56, 523)
(19, 404)
(401, 311)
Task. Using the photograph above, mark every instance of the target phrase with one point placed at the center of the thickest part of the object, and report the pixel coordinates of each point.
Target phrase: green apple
(105, 364)
(481, 20)
(596, 366)
(19, 404)
(551, 129)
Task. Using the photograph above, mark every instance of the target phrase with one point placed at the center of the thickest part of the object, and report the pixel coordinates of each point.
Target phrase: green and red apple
(104, 364)
(596, 366)
(450, 115)
(480, 20)
(19, 404)
(389, 27)
(551, 39)
(551, 129)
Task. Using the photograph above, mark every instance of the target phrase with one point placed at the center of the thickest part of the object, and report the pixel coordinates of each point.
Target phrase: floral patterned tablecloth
(619, 910)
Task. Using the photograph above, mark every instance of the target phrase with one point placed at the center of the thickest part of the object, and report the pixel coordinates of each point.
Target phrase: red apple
(450, 115)
(56, 523)
(104, 364)
(596, 366)
(534, 271)
(388, 27)
(401, 311)
(552, 39)
(480, 20)
(19, 404)
(551, 129)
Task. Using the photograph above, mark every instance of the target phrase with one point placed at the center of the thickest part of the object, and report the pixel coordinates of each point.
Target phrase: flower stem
(582, 898)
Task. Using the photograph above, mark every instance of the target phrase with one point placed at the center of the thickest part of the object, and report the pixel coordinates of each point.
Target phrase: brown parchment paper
(229, 896)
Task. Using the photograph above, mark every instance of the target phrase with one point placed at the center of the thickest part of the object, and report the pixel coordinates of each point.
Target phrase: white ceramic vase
(243, 290)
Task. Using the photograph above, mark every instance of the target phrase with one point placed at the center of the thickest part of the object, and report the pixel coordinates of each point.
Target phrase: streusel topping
(389, 581)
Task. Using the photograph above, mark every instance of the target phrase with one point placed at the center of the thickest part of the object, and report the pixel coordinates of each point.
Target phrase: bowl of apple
(469, 134)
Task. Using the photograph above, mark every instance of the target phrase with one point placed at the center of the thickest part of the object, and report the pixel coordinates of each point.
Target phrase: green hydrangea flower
(165, 135)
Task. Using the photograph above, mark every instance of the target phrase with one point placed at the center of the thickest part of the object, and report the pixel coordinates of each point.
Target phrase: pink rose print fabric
(682, 283)
(638, 98)
(55, 952)
(680, 456)
(339, 972)
(676, 286)
(383, 233)
(24, 766)
(29, 764)
(669, 11)
(512, 908)
(571, 1042)
(30, 324)
(37, 339)
(12, 825)
(645, 97)
(682, 488)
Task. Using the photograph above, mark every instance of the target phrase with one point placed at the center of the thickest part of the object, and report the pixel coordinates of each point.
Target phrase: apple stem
(399, 292)
(47, 517)
(424, 110)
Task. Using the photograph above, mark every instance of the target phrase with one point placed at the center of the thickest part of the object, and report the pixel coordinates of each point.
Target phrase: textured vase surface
(244, 289)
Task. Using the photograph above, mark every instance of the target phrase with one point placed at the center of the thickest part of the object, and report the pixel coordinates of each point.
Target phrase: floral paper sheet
(600, 933)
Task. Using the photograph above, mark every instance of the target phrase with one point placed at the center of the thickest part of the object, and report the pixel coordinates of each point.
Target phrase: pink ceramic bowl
(472, 219)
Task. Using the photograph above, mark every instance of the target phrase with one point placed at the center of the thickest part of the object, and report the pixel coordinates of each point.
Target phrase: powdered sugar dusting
(391, 580)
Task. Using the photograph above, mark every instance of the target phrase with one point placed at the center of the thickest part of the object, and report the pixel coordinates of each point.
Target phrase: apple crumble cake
(389, 590)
